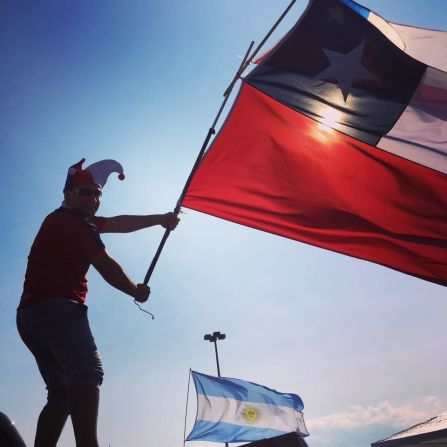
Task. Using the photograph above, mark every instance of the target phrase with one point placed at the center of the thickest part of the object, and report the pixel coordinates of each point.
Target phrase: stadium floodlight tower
(213, 339)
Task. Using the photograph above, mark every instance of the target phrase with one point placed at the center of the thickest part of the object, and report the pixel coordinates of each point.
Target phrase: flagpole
(245, 63)
(258, 48)
(211, 132)
(186, 409)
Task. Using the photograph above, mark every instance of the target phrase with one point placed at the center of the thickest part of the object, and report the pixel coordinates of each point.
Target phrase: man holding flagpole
(52, 317)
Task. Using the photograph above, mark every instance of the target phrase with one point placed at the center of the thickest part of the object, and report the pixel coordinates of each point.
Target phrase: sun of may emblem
(251, 414)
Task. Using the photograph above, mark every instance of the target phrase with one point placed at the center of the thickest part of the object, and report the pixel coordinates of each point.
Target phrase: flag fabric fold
(338, 138)
(234, 410)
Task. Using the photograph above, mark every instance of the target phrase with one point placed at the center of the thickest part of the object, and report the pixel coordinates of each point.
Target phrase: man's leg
(84, 377)
(49, 426)
(64, 333)
(83, 401)
(54, 414)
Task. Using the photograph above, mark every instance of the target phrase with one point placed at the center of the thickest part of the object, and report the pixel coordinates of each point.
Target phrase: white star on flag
(345, 68)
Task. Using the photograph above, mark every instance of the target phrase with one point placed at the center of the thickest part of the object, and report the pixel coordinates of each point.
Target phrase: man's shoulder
(66, 218)
(61, 215)
(98, 221)
(56, 227)
(69, 219)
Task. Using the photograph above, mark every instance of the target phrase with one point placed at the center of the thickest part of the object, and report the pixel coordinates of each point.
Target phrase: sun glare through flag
(338, 139)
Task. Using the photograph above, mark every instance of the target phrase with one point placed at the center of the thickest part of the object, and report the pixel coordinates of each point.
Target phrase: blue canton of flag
(234, 410)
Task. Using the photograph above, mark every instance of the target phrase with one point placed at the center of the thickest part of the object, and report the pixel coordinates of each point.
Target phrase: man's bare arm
(127, 224)
(113, 273)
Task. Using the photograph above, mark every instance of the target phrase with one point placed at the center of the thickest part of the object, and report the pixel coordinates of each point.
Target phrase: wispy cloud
(383, 413)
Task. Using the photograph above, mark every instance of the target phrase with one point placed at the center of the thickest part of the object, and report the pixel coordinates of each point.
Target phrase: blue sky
(141, 81)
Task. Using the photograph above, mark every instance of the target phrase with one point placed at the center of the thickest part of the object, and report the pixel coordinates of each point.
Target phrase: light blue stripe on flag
(244, 391)
(234, 410)
(216, 432)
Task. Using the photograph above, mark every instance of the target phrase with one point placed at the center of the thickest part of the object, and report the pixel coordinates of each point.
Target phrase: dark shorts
(58, 334)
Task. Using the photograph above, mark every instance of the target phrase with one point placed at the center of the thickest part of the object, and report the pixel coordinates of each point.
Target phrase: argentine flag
(233, 410)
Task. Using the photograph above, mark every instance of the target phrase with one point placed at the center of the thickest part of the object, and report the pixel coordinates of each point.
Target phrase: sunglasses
(86, 192)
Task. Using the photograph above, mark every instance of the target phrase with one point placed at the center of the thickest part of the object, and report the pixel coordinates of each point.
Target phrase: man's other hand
(142, 293)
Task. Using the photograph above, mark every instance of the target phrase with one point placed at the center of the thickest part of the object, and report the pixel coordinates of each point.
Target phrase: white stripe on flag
(256, 415)
(420, 134)
(426, 45)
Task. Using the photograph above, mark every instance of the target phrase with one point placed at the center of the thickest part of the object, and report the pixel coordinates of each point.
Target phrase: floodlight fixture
(212, 338)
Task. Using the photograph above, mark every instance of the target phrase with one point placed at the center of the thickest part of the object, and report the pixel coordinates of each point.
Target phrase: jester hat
(97, 173)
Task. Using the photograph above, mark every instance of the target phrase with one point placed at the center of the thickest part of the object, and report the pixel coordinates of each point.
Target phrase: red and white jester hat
(97, 173)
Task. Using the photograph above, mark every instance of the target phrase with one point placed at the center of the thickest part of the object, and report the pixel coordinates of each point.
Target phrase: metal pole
(218, 367)
(217, 357)
(214, 337)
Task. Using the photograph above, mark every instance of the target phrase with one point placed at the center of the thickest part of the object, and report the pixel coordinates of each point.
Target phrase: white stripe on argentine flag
(234, 410)
(250, 414)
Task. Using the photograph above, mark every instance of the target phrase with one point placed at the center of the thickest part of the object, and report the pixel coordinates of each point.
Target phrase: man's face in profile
(85, 199)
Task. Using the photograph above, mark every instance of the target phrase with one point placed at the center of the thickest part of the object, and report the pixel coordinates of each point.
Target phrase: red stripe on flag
(433, 93)
(276, 170)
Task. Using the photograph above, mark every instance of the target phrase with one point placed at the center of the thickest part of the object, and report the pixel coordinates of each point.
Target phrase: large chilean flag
(338, 139)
